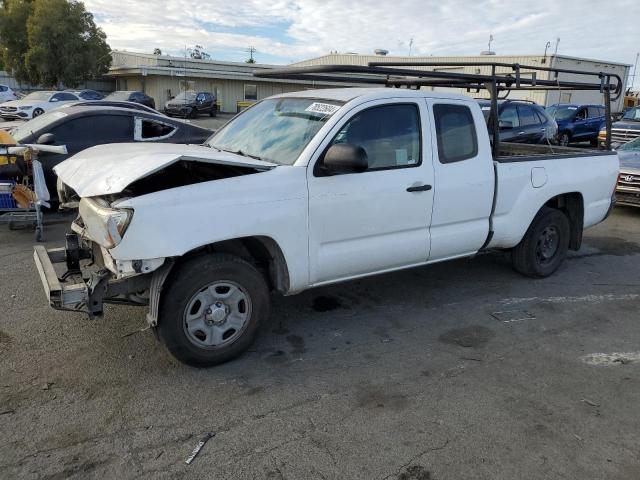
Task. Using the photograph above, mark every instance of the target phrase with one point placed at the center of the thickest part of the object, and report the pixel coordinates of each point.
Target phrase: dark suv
(577, 123)
(522, 121)
(136, 97)
(191, 104)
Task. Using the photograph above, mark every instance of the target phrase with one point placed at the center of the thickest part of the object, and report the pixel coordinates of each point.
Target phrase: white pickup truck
(307, 189)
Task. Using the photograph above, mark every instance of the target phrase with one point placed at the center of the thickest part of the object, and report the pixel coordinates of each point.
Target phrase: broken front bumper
(84, 290)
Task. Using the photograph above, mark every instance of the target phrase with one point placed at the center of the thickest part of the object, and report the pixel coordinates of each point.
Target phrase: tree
(198, 53)
(52, 42)
(250, 60)
(14, 42)
(157, 51)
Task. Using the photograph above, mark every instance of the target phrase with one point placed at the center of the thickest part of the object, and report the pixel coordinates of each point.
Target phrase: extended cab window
(456, 133)
(390, 134)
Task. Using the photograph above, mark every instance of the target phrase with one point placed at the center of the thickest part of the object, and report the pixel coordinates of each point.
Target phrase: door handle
(520, 133)
(419, 188)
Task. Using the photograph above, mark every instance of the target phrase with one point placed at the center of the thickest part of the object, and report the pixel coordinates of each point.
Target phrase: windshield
(185, 97)
(118, 96)
(632, 146)
(20, 133)
(633, 114)
(39, 96)
(562, 113)
(275, 130)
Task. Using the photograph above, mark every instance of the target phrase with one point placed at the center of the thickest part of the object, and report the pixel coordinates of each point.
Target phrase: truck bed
(525, 152)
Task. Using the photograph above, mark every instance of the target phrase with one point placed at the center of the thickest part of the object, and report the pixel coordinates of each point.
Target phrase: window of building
(390, 135)
(250, 92)
(455, 132)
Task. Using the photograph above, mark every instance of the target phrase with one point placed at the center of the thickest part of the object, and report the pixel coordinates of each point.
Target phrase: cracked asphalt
(455, 371)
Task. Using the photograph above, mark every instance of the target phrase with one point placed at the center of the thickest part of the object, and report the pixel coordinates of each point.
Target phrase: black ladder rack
(396, 74)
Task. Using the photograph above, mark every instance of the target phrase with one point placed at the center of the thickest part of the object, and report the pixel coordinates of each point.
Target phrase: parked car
(628, 188)
(191, 104)
(578, 123)
(136, 97)
(87, 94)
(81, 127)
(307, 189)
(522, 122)
(7, 94)
(112, 103)
(623, 131)
(35, 104)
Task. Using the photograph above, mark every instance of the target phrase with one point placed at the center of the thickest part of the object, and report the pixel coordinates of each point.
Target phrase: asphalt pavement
(461, 370)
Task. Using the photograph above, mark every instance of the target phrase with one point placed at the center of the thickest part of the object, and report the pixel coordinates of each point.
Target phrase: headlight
(602, 134)
(103, 224)
(26, 107)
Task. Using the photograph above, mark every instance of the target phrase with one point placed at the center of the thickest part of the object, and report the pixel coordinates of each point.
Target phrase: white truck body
(323, 229)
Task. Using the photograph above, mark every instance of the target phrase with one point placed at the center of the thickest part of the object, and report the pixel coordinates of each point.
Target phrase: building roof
(364, 59)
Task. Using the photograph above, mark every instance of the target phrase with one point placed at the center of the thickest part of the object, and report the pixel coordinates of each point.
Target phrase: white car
(307, 189)
(6, 94)
(35, 104)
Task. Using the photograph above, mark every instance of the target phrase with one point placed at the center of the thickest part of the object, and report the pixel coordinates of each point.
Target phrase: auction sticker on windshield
(323, 108)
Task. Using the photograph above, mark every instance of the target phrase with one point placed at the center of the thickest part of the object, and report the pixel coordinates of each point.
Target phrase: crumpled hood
(22, 102)
(109, 169)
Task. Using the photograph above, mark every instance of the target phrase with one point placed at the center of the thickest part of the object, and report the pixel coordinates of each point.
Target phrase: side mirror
(46, 139)
(503, 124)
(345, 158)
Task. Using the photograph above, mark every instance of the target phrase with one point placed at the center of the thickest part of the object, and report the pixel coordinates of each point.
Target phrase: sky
(285, 31)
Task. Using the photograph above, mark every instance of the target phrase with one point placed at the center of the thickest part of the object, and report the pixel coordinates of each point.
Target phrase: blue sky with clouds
(284, 31)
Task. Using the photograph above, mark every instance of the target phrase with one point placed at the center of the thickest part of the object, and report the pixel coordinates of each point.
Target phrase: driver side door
(379, 219)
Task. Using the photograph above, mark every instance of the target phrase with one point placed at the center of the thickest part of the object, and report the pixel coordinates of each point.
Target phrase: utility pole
(490, 40)
(251, 50)
(410, 45)
(555, 52)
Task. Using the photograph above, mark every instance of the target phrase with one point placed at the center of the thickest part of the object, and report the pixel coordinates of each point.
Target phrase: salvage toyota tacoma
(307, 189)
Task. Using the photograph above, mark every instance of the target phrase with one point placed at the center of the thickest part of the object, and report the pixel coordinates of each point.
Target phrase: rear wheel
(544, 246)
(564, 139)
(211, 309)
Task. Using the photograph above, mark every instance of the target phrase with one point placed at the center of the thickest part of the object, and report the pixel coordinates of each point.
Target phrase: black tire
(212, 112)
(544, 246)
(193, 113)
(37, 112)
(594, 143)
(564, 139)
(191, 279)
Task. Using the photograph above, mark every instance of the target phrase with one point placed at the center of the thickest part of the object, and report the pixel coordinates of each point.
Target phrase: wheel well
(263, 252)
(572, 204)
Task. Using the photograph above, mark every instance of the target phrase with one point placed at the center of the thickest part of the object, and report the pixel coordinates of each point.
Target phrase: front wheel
(211, 309)
(544, 247)
(37, 112)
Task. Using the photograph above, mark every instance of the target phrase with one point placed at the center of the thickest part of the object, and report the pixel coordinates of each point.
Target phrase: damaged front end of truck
(84, 275)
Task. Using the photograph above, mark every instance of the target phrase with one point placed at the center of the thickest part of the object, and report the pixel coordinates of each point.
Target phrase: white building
(544, 98)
